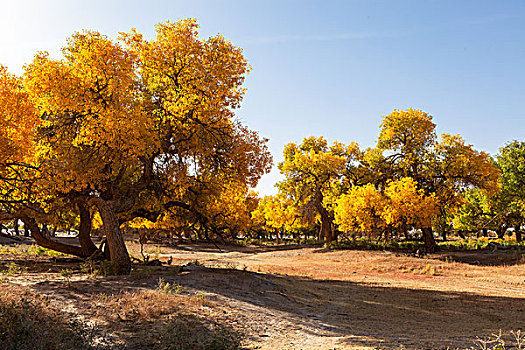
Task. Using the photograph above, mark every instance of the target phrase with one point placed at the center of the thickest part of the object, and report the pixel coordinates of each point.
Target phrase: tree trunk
(518, 233)
(326, 225)
(336, 234)
(500, 232)
(326, 231)
(117, 247)
(15, 227)
(388, 233)
(45, 242)
(430, 242)
(84, 230)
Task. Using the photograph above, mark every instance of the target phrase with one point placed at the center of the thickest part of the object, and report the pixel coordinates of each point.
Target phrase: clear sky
(329, 68)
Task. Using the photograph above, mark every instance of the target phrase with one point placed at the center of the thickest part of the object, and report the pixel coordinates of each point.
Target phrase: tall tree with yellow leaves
(144, 117)
(442, 169)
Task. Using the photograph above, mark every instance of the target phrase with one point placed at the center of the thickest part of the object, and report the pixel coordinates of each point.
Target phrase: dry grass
(159, 320)
(28, 321)
(145, 305)
(140, 319)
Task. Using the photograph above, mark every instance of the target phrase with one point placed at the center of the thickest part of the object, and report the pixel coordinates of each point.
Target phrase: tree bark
(117, 247)
(326, 225)
(430, 242)
(84, 230)
(46, 242)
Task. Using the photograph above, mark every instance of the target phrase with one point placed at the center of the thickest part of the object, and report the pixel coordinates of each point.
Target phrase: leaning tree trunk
(117, 247)
(430, 242)
(48, 243)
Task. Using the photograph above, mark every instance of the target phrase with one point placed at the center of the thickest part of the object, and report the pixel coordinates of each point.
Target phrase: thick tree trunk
(46, 242)
(84, 230)
(326, 225)
(117, 247)
(430, 242)
(327, 232)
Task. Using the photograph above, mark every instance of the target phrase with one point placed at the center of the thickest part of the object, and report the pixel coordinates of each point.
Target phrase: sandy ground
(291, 297)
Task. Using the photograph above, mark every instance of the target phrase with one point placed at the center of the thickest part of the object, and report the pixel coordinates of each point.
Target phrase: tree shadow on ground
(366, 314)
(359, 314)
(12, 241)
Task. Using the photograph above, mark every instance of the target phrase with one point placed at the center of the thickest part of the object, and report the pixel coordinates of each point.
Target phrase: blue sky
(329, 68)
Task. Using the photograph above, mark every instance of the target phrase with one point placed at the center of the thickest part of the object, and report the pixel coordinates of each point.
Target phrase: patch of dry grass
(28, 321)
(145, 305)
(140, 319)
(167, 321)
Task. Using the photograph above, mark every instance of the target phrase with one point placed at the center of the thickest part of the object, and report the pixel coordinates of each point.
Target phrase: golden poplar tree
(132, 128)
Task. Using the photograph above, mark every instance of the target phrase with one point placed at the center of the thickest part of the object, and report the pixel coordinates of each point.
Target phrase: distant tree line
(411, 184)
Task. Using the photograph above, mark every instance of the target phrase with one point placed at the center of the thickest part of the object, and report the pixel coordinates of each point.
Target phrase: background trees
(411, 180)
(501, 208)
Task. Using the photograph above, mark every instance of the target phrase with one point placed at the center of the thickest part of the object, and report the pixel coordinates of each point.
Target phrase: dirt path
(309, 298)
